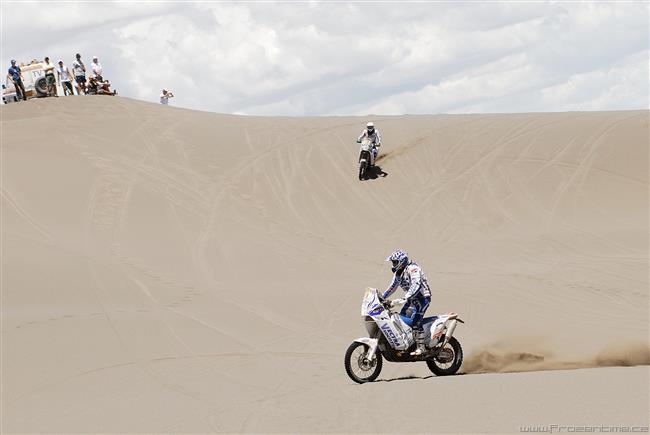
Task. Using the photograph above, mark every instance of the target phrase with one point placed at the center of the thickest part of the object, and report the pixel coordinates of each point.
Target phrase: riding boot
(418, 335)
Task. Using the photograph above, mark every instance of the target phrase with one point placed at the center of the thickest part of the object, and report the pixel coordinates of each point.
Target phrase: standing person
(65, 78)
(97, 69)
(50, 79)
(79, 70)
(165, 96)
(16, 76)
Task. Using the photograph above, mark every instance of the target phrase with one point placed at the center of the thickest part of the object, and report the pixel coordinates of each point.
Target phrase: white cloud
(341, 58)
(621, 86)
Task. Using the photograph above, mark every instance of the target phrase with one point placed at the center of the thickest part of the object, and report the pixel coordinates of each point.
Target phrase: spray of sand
(487, 360)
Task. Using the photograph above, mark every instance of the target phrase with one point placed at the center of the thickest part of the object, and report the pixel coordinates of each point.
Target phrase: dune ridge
(173, 271)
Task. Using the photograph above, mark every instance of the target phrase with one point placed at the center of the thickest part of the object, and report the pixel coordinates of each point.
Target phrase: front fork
(372, 344)
(373, 349)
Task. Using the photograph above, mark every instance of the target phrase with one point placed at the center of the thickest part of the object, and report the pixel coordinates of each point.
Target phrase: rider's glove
(358, 140)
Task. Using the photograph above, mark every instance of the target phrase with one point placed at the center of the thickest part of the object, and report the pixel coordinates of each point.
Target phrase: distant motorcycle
(365, 158)
(391, 337)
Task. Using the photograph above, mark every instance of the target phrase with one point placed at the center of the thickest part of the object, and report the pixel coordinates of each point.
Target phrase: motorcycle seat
(409, 320)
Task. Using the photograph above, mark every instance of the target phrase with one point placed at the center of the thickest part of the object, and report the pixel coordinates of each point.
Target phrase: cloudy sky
(320, 58)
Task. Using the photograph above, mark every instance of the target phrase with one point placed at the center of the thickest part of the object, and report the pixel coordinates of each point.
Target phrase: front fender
(372, 344)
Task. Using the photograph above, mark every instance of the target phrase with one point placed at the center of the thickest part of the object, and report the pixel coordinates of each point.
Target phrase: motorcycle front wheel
(362, 170)
(448, 360)
(358, 365)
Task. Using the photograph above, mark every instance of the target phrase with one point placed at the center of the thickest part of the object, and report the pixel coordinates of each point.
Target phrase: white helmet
(370, 127)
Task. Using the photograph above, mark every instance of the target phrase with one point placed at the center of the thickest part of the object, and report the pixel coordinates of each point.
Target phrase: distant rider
(409, 276)
(375, 139)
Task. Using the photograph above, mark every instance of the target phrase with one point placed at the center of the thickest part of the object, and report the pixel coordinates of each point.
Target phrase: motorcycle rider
(409, 276)
(372, 134)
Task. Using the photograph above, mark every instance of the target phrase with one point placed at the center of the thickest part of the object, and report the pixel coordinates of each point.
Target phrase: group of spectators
(85, 81)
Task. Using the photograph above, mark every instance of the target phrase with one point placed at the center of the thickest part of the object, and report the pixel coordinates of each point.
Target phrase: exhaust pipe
(450, 331)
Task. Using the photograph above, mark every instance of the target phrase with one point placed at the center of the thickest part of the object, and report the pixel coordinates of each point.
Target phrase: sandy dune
(167, 270)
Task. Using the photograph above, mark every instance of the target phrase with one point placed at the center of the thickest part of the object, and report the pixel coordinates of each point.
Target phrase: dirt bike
(366, 158)
(391, 337)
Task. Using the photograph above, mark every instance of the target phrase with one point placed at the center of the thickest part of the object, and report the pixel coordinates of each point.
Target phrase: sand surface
(167, 270)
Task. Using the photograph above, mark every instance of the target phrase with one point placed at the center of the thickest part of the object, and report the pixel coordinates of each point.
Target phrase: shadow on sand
(404, 378)
(374, 172)
(407, 378)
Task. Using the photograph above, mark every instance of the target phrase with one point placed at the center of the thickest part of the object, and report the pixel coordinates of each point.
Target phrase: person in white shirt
(79, 70)
(65, 78)
(165, 96)
(97, 69)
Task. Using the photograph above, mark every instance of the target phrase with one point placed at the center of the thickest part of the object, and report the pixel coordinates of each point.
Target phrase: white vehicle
(366, 158)
(9, 95)
(391, 337)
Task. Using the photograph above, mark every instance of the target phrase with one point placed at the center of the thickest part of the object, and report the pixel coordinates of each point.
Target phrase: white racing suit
(418, 294)
(375, 140)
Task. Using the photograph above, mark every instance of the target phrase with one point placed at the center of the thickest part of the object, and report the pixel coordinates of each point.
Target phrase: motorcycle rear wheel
(357, 365)
(441, 367)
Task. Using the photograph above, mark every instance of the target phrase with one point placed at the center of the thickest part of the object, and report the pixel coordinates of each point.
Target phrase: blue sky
(329, 58)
